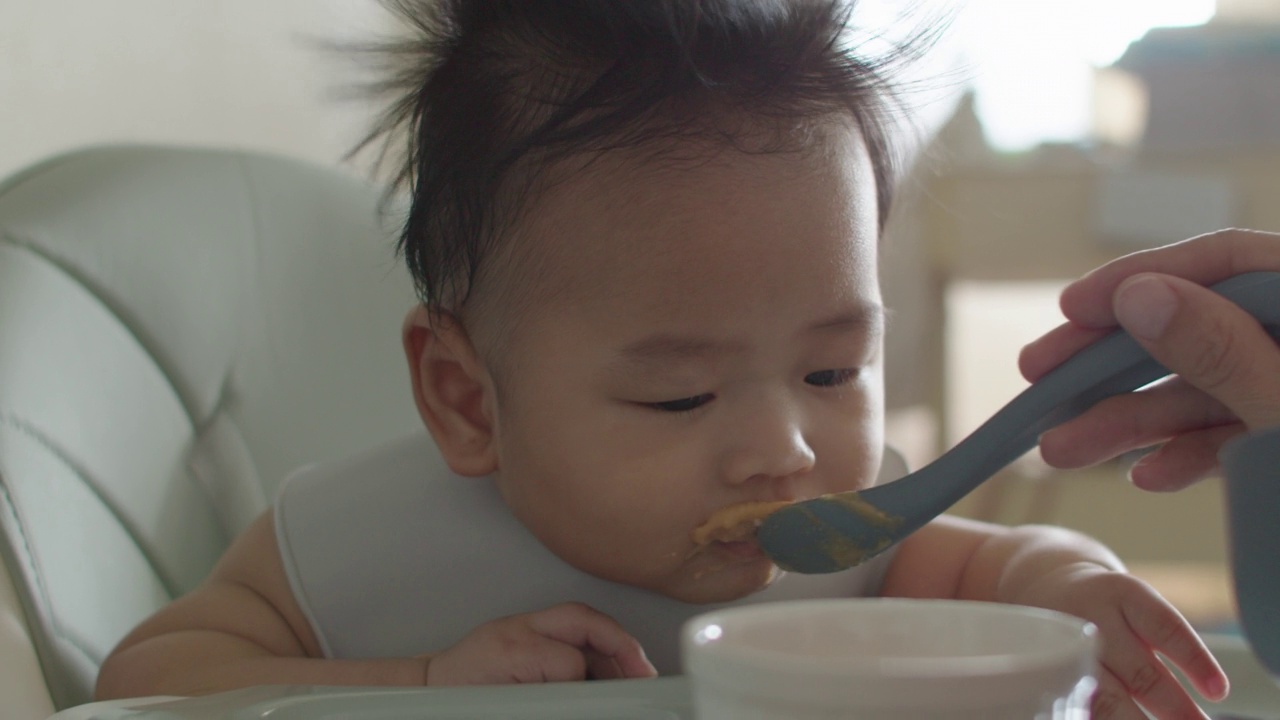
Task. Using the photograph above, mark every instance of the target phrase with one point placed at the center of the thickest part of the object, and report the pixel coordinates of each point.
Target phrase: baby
(645, 235)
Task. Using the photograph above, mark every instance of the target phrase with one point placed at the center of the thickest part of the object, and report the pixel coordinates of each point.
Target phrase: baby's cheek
(856, 465)
(644, 511)
(611, 523)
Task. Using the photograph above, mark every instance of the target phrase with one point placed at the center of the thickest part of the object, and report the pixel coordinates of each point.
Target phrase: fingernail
(1135, 472)
(1144, 306)
(1216, 687)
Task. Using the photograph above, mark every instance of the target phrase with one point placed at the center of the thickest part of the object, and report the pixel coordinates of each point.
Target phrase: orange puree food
(735, 522)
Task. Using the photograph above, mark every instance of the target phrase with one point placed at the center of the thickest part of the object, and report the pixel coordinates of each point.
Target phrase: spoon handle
(1113, 365)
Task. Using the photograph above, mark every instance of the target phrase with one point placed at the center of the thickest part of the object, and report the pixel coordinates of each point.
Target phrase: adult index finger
(1050, 350)
(1204, 260)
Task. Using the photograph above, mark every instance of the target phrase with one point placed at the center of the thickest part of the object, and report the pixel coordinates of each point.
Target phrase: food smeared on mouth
(735, 523)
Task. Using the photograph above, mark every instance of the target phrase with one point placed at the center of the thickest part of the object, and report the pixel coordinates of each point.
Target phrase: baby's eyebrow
(868, 318)
(666, 348)
(663, 348)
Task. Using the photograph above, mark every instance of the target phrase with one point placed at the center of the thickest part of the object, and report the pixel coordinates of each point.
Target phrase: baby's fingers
(1112, 701)
(609, 650)
(1164, 630)
(1142, 677)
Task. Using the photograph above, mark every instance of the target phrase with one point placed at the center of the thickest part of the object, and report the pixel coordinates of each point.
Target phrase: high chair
(179, 328)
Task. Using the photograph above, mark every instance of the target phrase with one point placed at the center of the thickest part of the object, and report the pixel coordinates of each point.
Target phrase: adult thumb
(1206, 339)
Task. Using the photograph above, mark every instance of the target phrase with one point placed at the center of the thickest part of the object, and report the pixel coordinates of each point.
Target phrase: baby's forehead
(650, 182)
(604, 222)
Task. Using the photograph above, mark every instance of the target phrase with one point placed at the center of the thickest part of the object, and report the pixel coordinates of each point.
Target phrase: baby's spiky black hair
(486, 92)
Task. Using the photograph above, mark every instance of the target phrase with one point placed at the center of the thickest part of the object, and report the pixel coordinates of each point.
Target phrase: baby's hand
(562, 643)
(1134, 623)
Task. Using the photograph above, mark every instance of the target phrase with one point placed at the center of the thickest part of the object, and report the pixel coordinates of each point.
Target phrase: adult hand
(562, 643)
(1228, 368)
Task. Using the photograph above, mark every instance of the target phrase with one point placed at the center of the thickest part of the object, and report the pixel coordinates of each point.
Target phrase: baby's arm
(242, 627)
(1063, 570)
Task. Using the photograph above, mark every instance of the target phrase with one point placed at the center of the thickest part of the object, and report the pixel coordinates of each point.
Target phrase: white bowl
(889, 659)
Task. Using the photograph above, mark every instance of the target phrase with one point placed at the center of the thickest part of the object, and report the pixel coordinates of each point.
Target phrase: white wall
(210, 72)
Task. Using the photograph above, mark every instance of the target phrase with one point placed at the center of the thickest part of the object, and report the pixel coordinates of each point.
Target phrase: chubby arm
(241, 627)
(963, 559)
(968, 560)
(1063, 570)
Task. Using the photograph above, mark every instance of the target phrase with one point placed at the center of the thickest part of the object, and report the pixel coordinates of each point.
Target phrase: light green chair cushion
(179, 328)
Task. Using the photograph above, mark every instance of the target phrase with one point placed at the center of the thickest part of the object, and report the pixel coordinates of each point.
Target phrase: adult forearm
(201, 662)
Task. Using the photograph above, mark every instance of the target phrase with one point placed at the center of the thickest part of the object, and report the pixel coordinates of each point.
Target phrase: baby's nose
(769, 444)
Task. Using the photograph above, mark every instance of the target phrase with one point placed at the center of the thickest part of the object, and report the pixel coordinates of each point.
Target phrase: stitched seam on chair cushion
(97, 292)
(39, 604)
(86, 478)
(26, 555)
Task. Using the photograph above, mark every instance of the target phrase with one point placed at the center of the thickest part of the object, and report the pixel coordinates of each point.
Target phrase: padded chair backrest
(178, 329)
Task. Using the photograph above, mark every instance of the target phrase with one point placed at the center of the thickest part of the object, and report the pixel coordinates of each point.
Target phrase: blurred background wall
(243, 73)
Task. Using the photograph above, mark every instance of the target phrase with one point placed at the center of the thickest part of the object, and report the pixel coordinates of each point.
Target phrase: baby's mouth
(735, 525)
(741, 549)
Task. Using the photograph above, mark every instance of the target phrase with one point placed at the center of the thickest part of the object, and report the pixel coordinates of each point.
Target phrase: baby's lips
(735, 522)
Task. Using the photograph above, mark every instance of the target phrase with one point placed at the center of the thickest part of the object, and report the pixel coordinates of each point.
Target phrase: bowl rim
(1079, 640)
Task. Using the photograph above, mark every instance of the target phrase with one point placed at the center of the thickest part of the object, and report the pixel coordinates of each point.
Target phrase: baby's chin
(712, 584)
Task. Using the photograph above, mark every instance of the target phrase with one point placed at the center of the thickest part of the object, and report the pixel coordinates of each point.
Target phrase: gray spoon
(838, 531)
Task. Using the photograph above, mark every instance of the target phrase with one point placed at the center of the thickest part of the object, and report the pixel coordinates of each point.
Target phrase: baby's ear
(452, 389)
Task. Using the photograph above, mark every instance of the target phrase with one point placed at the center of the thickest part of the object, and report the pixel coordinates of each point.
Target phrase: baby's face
(697, 337)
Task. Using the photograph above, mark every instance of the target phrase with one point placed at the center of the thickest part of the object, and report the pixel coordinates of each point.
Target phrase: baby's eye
(831, 378)
(683, 404)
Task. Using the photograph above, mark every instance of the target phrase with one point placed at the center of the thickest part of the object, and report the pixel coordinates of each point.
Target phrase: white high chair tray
(1254, 696)
(658, 699)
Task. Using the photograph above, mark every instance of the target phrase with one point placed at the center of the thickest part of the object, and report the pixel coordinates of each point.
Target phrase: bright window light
(1032, 60)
